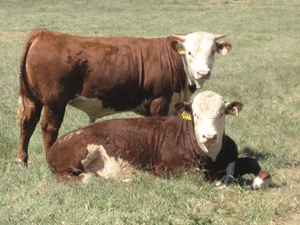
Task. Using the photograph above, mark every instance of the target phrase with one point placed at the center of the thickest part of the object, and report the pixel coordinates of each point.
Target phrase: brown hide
(165, 145)
(119, 71)
(162, 144)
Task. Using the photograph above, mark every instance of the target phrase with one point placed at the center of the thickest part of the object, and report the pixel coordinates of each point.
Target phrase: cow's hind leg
(67, 177)
(29, 114)
(250, 166)
(50, 124)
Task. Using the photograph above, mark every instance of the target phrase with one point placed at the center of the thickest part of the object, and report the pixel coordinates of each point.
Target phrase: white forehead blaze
(208, 104)
(200, 43)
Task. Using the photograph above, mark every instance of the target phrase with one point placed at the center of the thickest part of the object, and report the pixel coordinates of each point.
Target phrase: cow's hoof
(219, 183)
(262, 180)
(261, 184)
(222, 186)
(87, 177)
(21, 163)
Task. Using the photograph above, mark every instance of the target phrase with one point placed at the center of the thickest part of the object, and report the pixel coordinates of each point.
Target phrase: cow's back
(133, 140)
(120, 71)
(154, 143)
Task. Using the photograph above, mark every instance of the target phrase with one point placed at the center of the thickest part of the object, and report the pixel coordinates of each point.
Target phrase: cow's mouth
(203, 75)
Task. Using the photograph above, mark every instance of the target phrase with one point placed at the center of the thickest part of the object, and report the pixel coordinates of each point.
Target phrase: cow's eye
(222, 114)
(213, 52)
(190, 54)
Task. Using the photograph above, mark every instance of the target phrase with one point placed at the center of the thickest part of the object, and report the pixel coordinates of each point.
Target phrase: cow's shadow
(249, 152)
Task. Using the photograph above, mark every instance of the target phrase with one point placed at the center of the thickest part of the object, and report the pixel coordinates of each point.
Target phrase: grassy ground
(262, 71)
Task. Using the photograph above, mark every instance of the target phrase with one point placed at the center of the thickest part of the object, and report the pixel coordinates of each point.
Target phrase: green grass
(262, 71)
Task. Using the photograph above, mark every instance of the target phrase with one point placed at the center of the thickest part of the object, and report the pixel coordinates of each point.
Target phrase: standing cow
(104, 75)
(165, 145)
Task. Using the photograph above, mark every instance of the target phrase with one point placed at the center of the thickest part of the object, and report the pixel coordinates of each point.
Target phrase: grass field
(262, 71)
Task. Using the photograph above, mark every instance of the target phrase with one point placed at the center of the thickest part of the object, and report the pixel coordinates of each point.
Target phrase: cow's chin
(200, 82)
(209, 143)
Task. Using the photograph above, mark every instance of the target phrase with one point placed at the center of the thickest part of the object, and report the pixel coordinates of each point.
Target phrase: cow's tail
(22, 77)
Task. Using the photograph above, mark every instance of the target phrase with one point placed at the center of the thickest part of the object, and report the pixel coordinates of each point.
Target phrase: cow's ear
(183, 106)
(185, 109)
(233, 108)
(178, 45)
(224, 47)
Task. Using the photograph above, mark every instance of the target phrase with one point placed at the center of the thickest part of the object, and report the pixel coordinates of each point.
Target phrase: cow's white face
(198, 51)
(209, 117)
(208, 110)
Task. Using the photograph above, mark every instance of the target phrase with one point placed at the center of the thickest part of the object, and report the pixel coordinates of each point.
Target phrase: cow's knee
(159, 106)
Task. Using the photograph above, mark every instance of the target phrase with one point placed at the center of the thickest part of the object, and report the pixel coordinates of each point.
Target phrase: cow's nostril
(210, 137)
(214, 137)
(203, 74)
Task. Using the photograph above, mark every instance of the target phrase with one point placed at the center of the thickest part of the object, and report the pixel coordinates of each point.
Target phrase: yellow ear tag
(180, 51)
(186, 115)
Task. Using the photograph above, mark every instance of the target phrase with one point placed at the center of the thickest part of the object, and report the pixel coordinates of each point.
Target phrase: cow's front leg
(228, 176)
(250, 166)
(50, 125)
(159, 106)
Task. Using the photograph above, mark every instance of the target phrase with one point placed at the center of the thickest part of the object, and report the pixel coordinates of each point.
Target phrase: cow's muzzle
(209, 138)
(203, 74)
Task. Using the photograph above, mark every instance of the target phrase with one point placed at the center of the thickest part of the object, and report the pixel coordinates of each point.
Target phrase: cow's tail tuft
(20, 111)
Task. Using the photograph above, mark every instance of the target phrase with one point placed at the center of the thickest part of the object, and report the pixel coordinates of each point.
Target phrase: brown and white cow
(164, 145)
(105, 75)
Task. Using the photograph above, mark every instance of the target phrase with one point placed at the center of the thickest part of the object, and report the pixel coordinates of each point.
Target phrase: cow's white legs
(228, 176)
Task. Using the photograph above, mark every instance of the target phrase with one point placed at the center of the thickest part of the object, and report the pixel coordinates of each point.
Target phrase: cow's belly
(92, 106)
(176, 97)
(184, 95)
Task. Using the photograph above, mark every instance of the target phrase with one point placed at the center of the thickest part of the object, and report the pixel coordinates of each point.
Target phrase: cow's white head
(198, 50)
(208, 110)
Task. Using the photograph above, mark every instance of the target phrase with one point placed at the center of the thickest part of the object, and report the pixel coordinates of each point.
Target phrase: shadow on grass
(248, 152)
(277, 160)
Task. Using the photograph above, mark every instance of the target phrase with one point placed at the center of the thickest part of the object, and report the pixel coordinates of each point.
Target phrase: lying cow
(165, 145)
(105, 75)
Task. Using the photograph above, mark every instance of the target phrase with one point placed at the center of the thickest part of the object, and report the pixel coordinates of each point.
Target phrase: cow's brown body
(118, 73)
(164, 145)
